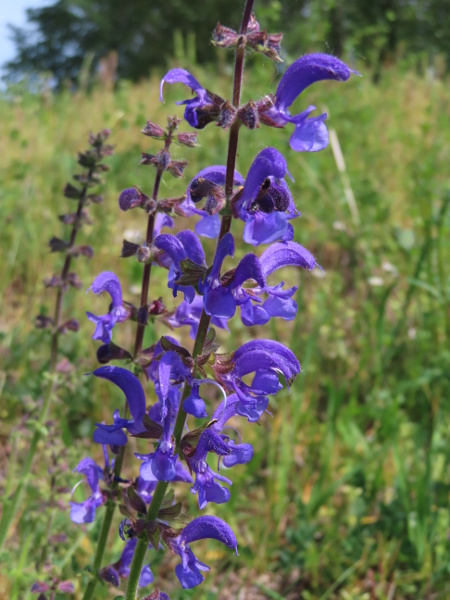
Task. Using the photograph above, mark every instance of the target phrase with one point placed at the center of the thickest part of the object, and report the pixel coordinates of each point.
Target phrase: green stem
(142, 545)
(101, 545)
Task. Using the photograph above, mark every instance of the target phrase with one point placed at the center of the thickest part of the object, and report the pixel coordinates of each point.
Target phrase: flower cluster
(205, 294)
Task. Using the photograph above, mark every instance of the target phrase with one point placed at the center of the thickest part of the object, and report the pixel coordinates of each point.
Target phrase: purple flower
(121, 568)
(237, 453)
(135, 396)
(147, 470)
(310, 133)
(167, 372)
(205, 107)
(213, 440)
(267, 359)
(188, 572)
(84, 512)
(209, 224)
(108, 282)
(279, 302)
(265, 203)
(179, 247)
(189, 314)
(220, 296)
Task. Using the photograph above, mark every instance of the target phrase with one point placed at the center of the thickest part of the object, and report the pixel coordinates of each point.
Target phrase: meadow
(347, 494)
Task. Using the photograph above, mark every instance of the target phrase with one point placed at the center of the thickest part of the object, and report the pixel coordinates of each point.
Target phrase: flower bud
(176, 167)
(224, 37)
(143, 253)
(43, 322)
(154, 131)
(131, 198)
(187, 139)
(110, 575)
(248, 115)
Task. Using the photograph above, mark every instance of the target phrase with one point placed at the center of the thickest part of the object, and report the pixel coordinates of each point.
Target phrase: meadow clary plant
(57, 324)
(207, 296)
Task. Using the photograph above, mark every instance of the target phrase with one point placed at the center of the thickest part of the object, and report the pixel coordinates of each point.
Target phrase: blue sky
(13, 11)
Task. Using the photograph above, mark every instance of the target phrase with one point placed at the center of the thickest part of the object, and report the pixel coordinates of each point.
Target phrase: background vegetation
(347, 495)
(136, 36)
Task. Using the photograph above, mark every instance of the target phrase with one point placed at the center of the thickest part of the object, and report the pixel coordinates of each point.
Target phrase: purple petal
(215, 174)
(286, 254)
(240, 455)
(164, 466)
(310, 134)
(225, 411)
(194, 405)
(269, 162)
(90, 469)
(262, 228)
(130, 386)
(114, 438)
(193, 246)
(248, 268)
(162, 220)
(252, 314)
(172, 246)
(266, 382)
(225, 247)
(208, 226)
(108, 282)
(209, 527)
(277, 306)
(265, 354)
(307, 70)
(219, 302)
(182, 76)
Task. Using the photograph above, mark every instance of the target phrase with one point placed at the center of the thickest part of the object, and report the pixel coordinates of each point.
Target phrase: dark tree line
(142, 33)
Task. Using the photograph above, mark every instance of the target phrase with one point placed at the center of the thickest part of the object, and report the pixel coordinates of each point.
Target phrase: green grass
(347, 495)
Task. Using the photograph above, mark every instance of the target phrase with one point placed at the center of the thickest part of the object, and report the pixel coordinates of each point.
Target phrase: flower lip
(269, 162)
(130, 386)
(209, 527)
(182, 76)
(305, 71)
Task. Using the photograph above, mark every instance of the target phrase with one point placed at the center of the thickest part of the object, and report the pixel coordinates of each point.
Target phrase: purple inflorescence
(184, 384)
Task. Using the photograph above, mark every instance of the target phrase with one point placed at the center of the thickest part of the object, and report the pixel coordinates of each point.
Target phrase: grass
(347, 494)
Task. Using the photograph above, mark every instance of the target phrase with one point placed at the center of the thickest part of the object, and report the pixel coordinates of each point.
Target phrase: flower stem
(12, 505)
(142, 545)
(158, 496)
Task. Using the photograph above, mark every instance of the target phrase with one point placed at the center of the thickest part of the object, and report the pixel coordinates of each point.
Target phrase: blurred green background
(347, 494)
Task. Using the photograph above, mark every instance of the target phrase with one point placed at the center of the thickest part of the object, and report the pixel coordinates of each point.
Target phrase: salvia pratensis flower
(188, 572)
(108, 282)
(135, 396)
(267, 359)
(221, 297)
(265, 203)
(84, 512)
(189, 315)
(310, 133)
(179, 247)
(121, 569)
(208, 183)
(206, 107)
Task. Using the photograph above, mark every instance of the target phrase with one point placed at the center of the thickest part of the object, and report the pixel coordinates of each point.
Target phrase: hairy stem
(12, 505)
(158, 496)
